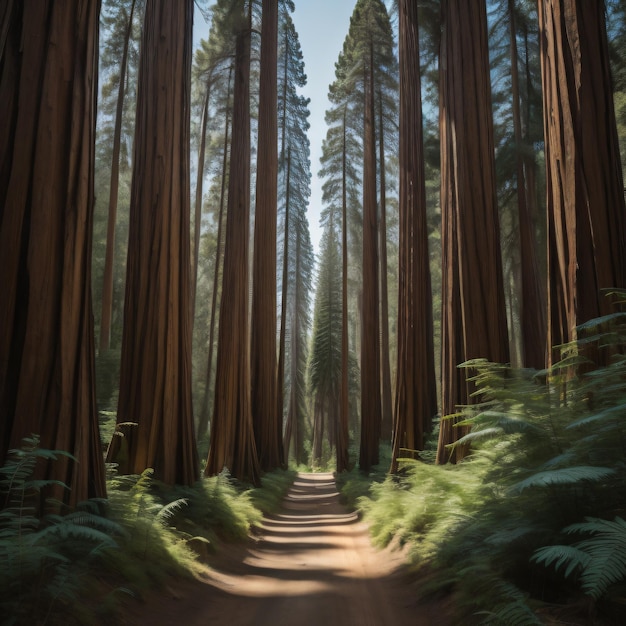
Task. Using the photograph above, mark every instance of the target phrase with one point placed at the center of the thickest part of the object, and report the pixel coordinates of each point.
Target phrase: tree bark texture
(266, 419)
(586, 213)
(155, 378)
(416, 394)
(473, 306)
(232, 436)
(48, 91)
(533, 300)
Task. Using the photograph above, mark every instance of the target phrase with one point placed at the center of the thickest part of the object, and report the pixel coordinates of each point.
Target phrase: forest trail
(312, 564)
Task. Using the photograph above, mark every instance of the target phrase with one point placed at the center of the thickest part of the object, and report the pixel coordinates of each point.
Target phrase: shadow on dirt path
(310, 565)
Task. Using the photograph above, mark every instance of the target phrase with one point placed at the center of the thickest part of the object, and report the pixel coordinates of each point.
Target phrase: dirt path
(310, 565)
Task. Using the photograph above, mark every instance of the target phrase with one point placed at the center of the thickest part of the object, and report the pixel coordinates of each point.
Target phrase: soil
(312, 564)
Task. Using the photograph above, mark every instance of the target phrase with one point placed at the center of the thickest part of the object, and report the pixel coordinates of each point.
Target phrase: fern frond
(507, 536)
(65, 531)
(562, 555)
(479, 435)
(170, 509)
(606, 551)
(564, 476)
(565, 458)
(599, 321)
(611, 412)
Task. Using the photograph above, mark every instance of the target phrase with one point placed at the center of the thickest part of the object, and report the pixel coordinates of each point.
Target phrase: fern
(601, 559)
(43, 556)
(607, 554)
(564, 476)
(169, 510)
(561, 555)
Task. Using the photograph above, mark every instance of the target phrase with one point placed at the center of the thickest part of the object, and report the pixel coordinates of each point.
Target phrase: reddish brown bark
(416, 395)
(266, 419)
(232, 437)
(473, 307)
(48, 90)
(533, 301)
(370, 347)
(155, 379)
(586, 213)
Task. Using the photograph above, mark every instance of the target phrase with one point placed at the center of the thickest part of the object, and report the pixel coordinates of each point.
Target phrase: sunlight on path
(310, 565)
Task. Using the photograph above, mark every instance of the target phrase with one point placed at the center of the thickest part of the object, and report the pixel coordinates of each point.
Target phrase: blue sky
(322, 26)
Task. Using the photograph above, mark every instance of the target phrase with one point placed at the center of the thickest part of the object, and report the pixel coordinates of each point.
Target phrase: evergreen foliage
(546, 468)
(80, 564)
(44, 555)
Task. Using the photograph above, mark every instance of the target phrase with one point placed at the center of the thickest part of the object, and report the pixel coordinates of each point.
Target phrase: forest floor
(311, 564)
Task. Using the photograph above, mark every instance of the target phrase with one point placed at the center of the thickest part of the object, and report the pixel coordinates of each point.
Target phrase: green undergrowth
(80, 566)
(529, 528)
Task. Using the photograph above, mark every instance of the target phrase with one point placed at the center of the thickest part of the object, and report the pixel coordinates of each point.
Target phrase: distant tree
(365, 73)
(585, 188)
(124, 21)
(294, 177)
(155, 381)
(474, 321)
(325, 357)
(339, 195)
(203, 421)
(213, 72)
(533, 300)
(48, 91)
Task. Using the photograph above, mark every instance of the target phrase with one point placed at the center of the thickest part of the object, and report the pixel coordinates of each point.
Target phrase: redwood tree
(370, 346)
(585, 190)
(533, 300)
(48, 89)
(267, 419)
(473, 308)
(232, 437)
(416, 395)
(155, 380)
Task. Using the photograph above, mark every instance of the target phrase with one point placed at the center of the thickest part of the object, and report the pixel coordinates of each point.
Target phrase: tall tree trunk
(585, 197)
(370, 347)
(107, 281)
(48, 91)
(232, 436)
(474, 313)
(533, 302)
(385, 369)
(267, 421)
(155, 379)
(203, 422)
(289, 427)
(197, 221)
(293, 417)
(416, 394)
(285, 162)
(343, 457)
